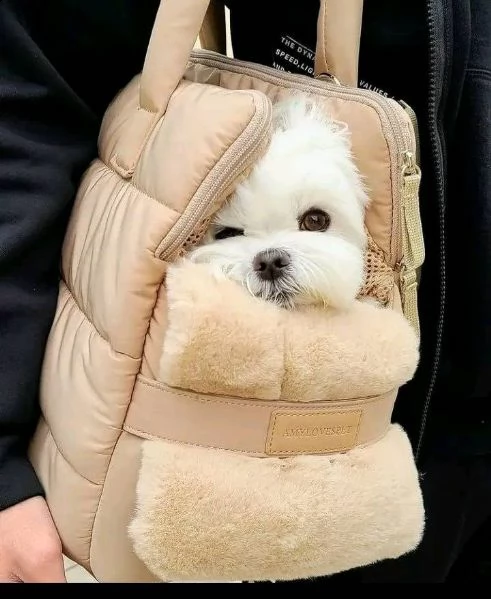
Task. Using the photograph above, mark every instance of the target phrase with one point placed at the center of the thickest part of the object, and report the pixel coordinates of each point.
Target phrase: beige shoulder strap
(338, 37)
(174, 34)
(213, 31)
(178, 23)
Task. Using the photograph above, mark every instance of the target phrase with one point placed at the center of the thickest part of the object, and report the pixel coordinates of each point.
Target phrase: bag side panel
(111, 555)
(57, 475)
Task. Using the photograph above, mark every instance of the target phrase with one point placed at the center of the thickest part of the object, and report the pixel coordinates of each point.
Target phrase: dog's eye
(315, 220)
(228, 232)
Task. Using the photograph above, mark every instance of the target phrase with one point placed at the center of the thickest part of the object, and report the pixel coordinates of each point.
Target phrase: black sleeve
(55, 82)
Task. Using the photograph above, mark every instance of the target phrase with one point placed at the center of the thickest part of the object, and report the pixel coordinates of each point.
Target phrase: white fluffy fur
(307, 165)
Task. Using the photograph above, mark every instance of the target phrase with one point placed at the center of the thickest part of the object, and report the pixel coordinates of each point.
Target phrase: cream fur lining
(221, 340)
(207, 514)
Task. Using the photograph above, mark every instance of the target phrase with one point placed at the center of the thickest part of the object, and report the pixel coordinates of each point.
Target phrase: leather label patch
(309, 432)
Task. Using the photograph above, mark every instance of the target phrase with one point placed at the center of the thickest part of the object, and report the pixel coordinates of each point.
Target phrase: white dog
(292, 233)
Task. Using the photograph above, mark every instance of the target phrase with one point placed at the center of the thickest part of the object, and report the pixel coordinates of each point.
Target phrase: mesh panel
(379, 277)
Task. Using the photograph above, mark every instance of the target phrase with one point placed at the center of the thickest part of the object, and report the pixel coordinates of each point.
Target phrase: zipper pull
(414, 122)
(414, 252)
(412, 242)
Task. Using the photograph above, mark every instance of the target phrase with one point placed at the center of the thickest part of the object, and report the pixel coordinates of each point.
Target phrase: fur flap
(207, 514)
(221, 340)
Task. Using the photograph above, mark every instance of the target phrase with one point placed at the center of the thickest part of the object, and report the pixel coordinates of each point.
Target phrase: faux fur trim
(207, 514)
(221, 340)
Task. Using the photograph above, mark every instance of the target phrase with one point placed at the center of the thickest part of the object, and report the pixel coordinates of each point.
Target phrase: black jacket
(435, 55)
(61, 62)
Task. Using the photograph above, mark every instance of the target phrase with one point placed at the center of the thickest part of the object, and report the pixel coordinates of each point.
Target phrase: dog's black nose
(271, 264)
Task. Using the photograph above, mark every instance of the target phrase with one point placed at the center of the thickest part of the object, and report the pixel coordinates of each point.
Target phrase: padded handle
(213, 34)
(178, 23)
(174, 33)
(338, 39)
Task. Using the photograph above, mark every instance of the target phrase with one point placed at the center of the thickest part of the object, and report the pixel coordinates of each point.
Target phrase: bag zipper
(414, 122)
(402, 148)
(243, 152)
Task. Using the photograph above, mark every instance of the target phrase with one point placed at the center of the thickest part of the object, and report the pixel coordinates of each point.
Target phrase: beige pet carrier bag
(188, 430)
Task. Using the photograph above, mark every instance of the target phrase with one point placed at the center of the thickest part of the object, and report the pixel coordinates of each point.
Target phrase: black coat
(436, 56)
(61, 62)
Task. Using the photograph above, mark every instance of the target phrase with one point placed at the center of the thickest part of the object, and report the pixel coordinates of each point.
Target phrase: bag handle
(338, 40)
(178, 23)
(213, 34)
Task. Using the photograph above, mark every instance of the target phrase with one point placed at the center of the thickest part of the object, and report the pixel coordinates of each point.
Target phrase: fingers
(8, 577)
(53, 572)
(45, 563)
(30, 548)
(48, 567)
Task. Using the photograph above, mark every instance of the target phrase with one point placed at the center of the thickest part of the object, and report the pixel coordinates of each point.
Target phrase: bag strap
(338, 40)
(213, 34)
(173, 36)
(178, 23)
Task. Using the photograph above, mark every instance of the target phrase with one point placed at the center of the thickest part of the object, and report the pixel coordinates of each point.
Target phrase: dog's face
(293, 232)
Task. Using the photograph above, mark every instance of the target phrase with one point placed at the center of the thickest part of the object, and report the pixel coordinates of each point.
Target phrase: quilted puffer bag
(188, 430)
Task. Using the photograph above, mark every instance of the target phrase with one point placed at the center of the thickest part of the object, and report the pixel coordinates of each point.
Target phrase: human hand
(30, 548)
